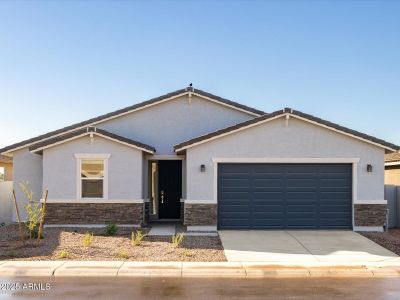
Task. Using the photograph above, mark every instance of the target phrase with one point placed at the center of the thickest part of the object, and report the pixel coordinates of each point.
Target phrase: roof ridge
(127, 109)
(85, 131)
(282, 112)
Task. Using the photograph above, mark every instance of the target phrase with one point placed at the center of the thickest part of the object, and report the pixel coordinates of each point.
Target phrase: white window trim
(94, 156)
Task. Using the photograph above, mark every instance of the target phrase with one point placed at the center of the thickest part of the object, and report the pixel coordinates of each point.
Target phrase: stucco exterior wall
(124, 168)
(274, 140)
(167, 124)
(27, 167)
(392, 175)
(8, 171)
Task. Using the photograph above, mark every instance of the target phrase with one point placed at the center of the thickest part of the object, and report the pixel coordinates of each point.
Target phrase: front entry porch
(165, 190)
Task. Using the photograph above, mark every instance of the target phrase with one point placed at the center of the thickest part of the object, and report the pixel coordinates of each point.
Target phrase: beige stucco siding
(8, 171)
(274, 140)
(392, 175)
(124, 168)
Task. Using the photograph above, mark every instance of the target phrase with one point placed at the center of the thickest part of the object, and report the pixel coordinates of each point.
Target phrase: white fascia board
(225, 104)
(286, 115)
(345, 133)
(89, 133)
(228, 133)
(394, 163)
(8, 152)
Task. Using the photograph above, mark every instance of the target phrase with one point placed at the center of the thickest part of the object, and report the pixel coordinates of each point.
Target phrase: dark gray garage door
(279, 196)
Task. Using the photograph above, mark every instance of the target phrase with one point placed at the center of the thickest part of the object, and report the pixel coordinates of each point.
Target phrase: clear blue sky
(64, 62)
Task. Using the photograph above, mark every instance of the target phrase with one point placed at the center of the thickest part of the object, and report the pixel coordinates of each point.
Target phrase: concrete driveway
(302, 247)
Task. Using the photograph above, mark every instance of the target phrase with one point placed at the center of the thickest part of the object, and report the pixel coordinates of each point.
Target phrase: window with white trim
(92, 176)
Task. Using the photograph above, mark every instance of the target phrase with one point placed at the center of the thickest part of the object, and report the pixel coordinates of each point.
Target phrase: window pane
(92, 169)
(2, 176)
(92, 188)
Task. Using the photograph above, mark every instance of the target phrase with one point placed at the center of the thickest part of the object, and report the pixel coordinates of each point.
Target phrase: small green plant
(177, 239)
(64, 254)
(33, 210)
(137, 238)
(187, 253)
(88, 239)
(111, 229)
(123, 254)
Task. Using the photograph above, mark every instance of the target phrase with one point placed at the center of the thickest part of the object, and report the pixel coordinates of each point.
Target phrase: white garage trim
(291, 160)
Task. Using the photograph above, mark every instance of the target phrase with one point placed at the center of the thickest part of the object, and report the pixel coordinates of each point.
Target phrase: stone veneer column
(370, 214)
(200, 214)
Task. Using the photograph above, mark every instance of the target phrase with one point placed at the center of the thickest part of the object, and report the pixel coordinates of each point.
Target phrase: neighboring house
(6, 168)
(392, 169)
(210, 163)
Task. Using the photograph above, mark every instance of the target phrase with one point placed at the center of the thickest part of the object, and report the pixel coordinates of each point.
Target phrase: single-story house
(6, 168)
(194, 157)
(392, 169)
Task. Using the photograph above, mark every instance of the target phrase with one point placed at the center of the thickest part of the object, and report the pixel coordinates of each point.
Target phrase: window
(92, 176)
(2, 174)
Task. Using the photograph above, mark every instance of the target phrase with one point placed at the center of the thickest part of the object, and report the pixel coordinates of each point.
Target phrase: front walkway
(302, 247)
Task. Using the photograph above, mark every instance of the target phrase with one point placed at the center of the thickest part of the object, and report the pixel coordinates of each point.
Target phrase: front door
(169, 188)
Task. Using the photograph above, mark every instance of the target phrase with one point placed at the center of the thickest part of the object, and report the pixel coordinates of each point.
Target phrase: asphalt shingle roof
(79, 132)
(283, 112)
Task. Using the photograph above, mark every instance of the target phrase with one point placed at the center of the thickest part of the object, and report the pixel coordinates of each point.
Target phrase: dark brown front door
(169, 188)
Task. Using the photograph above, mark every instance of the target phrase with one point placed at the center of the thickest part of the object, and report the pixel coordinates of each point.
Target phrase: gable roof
(93, 121)
(278, 114)
(40, 146)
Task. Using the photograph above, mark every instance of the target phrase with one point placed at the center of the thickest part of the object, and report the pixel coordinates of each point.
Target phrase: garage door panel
(295, 196)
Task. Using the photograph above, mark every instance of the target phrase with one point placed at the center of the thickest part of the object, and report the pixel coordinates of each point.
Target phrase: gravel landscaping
(118, 247)
(390, 240)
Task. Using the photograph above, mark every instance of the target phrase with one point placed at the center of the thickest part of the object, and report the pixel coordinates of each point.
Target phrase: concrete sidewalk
(194, 269)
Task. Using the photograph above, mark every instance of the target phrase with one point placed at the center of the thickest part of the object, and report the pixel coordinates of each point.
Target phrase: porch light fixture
(369, 168)
(202, 168)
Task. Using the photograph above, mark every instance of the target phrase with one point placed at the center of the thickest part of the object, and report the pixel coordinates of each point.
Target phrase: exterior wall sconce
(202, 168)
(369, 168)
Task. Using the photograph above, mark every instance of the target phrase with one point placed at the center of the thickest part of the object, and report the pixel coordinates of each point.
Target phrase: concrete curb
(150, 269)
(29, 268)
(188, 269)
(88, 269)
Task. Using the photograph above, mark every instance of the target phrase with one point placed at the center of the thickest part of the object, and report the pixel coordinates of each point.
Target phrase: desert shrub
(63, 254)
(88, 239)
(33, 211)
(111, 229)
(123, 254)
(177, 239)
(136, 238)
